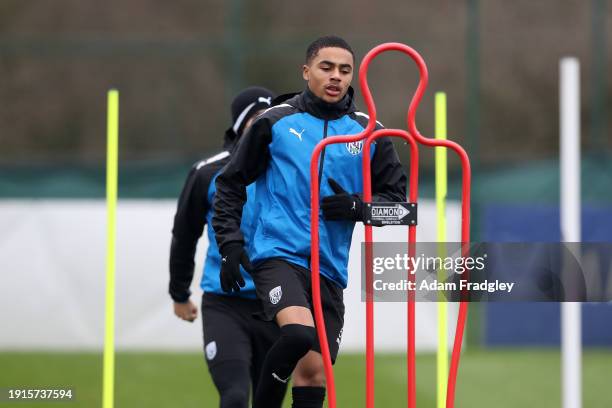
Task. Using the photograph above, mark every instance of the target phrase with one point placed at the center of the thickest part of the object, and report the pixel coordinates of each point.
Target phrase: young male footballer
(275, 156)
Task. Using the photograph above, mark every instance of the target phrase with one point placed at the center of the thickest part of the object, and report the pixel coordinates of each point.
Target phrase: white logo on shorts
(339, 339)
(211, 350)
(275, 295)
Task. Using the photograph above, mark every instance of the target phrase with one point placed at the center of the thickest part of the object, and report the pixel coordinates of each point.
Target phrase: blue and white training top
(275, 154)
(194, 211)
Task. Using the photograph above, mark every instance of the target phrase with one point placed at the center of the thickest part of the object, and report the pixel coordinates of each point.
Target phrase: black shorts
(231, 332)
(280, 284)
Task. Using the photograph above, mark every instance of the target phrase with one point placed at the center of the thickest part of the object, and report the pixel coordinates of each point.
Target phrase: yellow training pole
(441, 181)
(108, 383)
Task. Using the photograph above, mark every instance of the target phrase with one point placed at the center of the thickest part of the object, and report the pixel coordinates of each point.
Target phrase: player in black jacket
(234, 342)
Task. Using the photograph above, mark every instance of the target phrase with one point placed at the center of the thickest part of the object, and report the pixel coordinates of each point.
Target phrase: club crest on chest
(355, 148)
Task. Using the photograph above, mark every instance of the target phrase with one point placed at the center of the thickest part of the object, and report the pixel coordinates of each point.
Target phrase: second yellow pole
(112, 159)
(441, 189)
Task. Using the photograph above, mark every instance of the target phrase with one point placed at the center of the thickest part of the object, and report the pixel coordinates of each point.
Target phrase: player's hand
(342, 205)
(186, 311)
(232, 256)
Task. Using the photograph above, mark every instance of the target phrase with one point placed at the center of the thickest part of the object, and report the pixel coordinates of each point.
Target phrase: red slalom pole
(412, 197)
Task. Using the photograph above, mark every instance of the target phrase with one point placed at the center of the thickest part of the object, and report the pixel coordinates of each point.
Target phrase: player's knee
(309, 374)
(235, 397)
(309, 379)
(232, 379)
(299, 337)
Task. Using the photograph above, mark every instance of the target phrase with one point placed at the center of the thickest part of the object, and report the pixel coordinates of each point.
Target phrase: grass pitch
(488, 378)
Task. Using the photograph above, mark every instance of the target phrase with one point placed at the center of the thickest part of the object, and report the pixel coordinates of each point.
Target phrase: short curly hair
(325, 42)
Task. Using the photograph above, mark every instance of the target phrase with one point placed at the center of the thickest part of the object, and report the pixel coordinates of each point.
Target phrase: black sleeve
(389, 180)
(249, 159)
(189, 222)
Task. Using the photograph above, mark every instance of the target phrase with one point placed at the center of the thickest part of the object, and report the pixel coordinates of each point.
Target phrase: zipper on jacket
(322, 155)
(321, 167)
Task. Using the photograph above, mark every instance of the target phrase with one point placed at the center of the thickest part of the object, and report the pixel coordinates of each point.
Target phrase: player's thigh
(282, 293)
(295, 315)
(225, 332)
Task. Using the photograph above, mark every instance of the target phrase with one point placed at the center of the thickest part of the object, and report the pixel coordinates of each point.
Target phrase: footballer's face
(329, 73)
